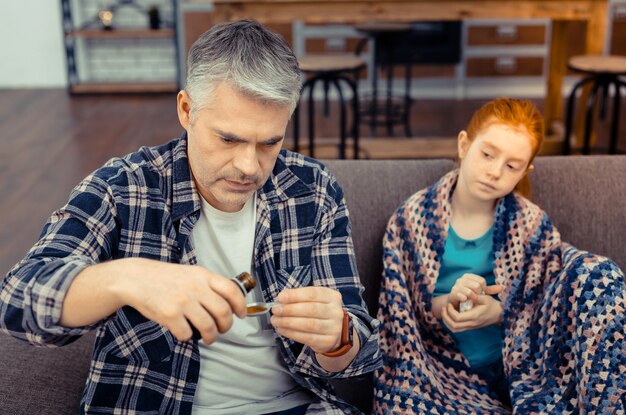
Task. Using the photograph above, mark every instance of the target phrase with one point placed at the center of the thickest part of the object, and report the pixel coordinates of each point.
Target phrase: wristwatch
(346, 337)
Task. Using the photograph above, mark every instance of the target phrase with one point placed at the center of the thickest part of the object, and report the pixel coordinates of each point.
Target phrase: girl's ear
(530, 168)
(463, 144)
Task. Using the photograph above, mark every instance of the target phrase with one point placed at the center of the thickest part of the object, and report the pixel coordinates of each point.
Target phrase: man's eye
(486, 155)
(227, 140)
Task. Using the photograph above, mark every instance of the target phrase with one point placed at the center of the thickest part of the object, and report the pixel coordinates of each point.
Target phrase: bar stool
(391, 112)
(602, 72)
(407, 44)
(335, 70)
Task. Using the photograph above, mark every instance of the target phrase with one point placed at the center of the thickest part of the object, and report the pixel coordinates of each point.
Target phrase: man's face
(233, 143)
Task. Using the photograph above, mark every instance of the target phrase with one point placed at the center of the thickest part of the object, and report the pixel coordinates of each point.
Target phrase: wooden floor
(49, 142)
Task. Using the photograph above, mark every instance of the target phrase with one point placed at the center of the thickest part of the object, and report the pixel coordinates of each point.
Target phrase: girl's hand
(486, 311)
(470, 287)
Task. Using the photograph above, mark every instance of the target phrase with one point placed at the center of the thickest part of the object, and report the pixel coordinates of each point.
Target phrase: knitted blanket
(564, 323)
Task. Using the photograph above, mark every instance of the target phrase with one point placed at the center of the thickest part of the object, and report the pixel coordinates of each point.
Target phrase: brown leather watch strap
(346, 338)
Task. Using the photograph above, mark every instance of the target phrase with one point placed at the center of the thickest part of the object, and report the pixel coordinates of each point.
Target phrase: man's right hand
(173, 295)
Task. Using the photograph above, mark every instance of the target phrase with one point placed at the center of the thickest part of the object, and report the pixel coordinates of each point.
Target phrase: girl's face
(494, 163)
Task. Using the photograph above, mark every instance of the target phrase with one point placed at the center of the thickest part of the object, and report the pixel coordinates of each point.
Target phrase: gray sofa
(584, 196)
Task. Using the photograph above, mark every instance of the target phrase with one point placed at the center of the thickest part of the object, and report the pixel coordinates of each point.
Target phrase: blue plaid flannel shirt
(145, 205)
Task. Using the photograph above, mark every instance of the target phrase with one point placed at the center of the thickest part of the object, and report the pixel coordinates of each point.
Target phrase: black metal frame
(327, 78)
(601, 82)
(421, 43)
(70, 43)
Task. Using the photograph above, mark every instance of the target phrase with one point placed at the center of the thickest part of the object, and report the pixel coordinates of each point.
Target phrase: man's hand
(310, 315)
(176, 296)
(173, 295)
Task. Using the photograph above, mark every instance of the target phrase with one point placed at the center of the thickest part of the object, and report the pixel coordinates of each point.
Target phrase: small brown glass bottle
(245, 282)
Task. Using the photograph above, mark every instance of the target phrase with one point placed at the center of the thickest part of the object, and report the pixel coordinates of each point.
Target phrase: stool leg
(374, 103)
(352, 84)
(326, 82)
(569, 115)
(388, 106)
(589, 118)
(356, 118)
(568, 121)
(355, 111)
(605, 83)
(616, 114)
(296, 128)
(342, 119)
(407, 101)
(311, 118)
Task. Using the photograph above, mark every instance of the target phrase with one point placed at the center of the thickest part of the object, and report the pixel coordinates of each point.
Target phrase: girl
(484, 309)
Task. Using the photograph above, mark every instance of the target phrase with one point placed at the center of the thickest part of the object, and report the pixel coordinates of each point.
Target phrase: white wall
(32, 54)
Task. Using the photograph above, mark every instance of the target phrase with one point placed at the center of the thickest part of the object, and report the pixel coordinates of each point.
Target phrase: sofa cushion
(584, 196)
(44, 381)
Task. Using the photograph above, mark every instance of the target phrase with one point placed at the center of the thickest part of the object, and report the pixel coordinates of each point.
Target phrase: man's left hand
(312, 316)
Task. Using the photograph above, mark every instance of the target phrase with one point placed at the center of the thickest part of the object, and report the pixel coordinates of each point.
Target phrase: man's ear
(183, 107)
(463, 144)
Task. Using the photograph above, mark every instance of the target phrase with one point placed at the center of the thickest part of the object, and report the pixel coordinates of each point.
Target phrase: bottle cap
(245, 282)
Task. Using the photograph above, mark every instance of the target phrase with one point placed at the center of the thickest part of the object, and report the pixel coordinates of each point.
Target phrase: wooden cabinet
(506, 48)
(114, 50)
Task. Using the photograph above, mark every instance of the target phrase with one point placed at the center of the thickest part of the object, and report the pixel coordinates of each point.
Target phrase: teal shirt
(461, 256)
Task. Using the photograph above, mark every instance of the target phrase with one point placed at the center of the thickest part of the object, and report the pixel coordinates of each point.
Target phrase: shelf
(121, 33)
(131, 58)
(123, 87)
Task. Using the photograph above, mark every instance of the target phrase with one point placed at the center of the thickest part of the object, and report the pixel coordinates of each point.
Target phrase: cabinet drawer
(337, 44)
(618, 37)
(506, 34)
(575, 41)
(420, 71)
(283, 29)
(504, 66)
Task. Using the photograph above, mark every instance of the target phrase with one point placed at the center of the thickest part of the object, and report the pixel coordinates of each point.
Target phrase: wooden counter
(357, 11)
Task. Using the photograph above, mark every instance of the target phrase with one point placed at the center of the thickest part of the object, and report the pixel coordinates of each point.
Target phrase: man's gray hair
(248, 56)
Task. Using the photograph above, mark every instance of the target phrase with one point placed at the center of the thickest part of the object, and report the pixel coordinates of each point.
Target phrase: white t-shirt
(242, 372)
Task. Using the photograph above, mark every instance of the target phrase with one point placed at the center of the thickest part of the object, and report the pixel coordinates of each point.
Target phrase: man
(145, 248)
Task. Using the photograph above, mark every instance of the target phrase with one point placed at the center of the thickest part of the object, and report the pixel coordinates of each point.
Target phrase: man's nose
(247, 161)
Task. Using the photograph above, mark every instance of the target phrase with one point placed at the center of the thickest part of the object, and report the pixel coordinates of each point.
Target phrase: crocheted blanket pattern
(564, 323)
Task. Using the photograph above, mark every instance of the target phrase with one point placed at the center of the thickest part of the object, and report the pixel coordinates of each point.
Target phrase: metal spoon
(259, 308)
